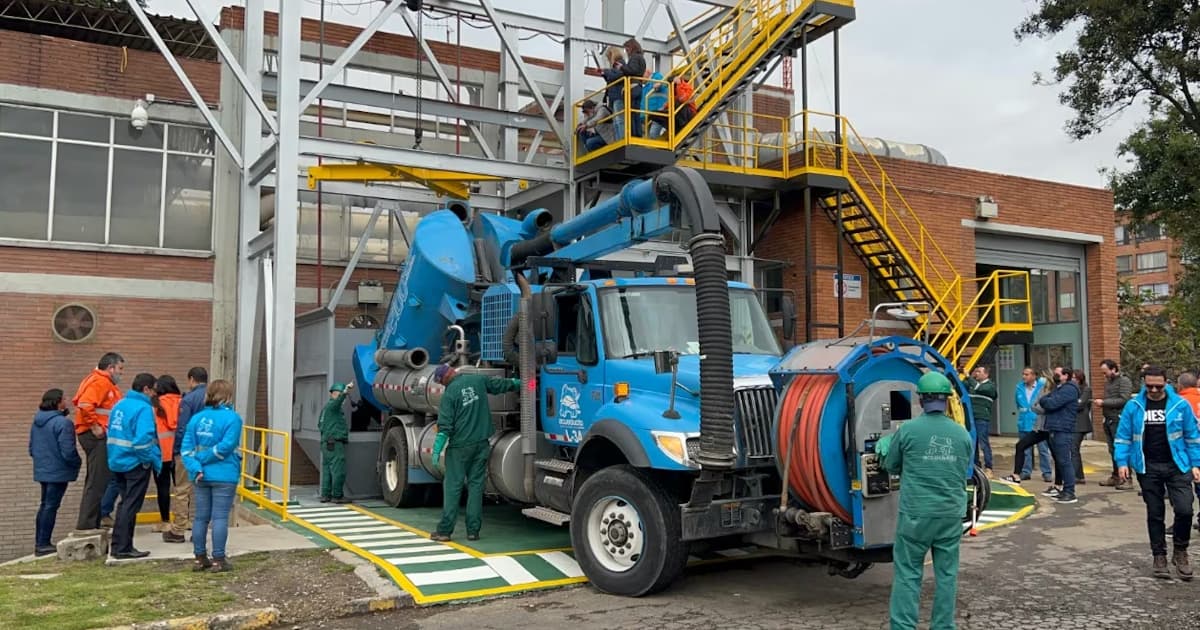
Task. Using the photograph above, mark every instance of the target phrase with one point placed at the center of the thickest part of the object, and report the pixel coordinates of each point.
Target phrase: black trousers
(133, 493)
(1165, 482)
(96, 450)
(162, 487)
(1077, 457)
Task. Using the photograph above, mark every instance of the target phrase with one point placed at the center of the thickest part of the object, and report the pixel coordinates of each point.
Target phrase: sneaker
(1051, 492)
(1065, 498)
(131, 555)
(1180, 560)
(45, 551)
(1160, 567)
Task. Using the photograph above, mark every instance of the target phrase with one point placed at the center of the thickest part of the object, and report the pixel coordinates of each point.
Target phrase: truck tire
(393, 473)
(643, 554)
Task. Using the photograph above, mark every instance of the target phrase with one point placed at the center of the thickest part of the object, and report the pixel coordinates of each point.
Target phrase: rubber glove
(439, 444)
(516, 383)
(884, 445)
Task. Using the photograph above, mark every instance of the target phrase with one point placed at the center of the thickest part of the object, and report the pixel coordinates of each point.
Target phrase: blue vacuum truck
(658, 413)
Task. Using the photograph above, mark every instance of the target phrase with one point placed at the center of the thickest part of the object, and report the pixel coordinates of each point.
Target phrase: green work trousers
(467, 462)
(915, 536)
(333, 470)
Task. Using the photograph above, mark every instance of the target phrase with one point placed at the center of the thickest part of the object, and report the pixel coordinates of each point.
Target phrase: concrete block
(80, 546)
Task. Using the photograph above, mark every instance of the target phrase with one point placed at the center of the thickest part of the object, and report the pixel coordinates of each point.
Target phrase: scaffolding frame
(269, 144)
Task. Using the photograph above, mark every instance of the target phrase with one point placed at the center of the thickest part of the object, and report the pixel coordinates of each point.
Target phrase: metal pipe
(637, 197)
(413, 359)
(526, 369)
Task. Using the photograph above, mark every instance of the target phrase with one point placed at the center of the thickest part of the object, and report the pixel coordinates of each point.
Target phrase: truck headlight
(677, 446)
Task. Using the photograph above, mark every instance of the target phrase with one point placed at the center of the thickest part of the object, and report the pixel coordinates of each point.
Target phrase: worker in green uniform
(931, 453)
(334, 435)
(464, 426)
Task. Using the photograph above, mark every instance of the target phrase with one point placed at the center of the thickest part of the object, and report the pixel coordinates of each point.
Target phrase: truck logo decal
(569, 403)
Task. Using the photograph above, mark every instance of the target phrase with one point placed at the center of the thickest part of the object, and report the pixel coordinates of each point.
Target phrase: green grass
(90, 594)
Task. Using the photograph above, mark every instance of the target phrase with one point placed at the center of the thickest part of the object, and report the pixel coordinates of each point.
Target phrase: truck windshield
(640, 320)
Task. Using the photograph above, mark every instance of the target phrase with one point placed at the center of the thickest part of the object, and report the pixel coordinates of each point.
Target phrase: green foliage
(1125, 53)
(1152, 333)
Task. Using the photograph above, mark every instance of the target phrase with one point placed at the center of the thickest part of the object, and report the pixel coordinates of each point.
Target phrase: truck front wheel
(625, 530)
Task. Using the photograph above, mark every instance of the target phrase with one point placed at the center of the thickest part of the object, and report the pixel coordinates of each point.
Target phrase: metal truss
(500, 140)
(76, 19)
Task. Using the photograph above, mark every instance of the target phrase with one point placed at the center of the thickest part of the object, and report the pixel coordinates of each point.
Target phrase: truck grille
(754, 412)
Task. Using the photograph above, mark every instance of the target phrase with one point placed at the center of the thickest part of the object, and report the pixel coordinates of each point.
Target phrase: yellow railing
(254, 487)
(982, 319)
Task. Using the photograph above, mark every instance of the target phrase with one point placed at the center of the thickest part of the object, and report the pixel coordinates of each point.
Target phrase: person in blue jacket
(133, 456)
(214, 464)
(183, 497)
(56, 463)
(1158, 438)
(1062, 407)
(1027, 393)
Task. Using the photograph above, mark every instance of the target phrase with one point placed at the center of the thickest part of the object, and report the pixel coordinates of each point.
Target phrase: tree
(1126, 53)
(1156, 336)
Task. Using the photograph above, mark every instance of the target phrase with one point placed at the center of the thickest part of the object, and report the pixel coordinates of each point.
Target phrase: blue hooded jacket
(1026, 416)
(1183, 435)
(211, 445)
(52, 447)
(1062, 408)
(133, 435)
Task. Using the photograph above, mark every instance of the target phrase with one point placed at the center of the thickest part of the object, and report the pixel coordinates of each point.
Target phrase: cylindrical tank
(406, 389)
(506, 463)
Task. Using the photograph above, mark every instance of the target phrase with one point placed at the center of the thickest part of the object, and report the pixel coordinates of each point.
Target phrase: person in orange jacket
(1188, 391)
(95, 398)
(166, 416)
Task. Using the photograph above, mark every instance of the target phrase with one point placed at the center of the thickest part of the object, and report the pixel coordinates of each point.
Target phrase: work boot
(341, 500)
(325, 499)
(1126, 485)
(201, 562)
(1160, 567)
(172, 537)
(106, 522)
(446, 538)
(1110, 482)
(1181, 565)
(472, 536)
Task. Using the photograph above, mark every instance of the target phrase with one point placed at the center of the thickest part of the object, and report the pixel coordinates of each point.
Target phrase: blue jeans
(1061, 444)
(52, 496)
(983, 442)
(214, 501)
(109, 502)
(1043, 449)
(618, 119)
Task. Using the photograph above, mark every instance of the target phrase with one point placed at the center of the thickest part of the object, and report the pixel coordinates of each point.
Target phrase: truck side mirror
(662, 361)
(548, 351)
(788, 304)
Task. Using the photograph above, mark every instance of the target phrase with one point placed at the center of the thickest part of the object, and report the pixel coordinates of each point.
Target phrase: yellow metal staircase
(905, 257)
(741, 46)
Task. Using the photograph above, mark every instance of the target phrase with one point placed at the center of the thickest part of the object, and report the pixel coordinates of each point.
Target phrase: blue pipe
(637, 197)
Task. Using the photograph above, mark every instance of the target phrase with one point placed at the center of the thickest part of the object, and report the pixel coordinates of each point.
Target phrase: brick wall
(158, 336)
(56, 63)
(941, 197)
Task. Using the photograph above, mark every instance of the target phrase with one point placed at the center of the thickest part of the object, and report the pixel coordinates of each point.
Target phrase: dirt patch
(303, 585)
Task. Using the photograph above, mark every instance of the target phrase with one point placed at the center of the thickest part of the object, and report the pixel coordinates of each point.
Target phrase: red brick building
(1147, 261)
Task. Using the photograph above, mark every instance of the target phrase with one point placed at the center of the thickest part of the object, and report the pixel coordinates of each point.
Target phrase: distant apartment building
(1147, 261)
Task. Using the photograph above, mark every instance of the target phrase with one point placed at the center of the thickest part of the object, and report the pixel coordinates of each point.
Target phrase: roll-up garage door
(1027, 253)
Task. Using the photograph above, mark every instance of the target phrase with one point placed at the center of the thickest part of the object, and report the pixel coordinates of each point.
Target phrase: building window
(1124, 264)
(1151, 232)
(1156, 292)
(83, 178)
(1044, 358)
(1151, 262)
(1055, 296)
(1121, 235)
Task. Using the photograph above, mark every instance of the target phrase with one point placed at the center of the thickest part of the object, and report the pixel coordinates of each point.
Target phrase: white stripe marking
(385, 548)
(411, 549)
(335, 521)
(322, 510)
(564, 563)
(469, 574)
(371, 529)
(509, 569)
(441, 557)
(384, 536)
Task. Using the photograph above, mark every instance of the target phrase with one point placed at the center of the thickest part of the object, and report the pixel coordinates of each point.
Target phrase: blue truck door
(571, 389)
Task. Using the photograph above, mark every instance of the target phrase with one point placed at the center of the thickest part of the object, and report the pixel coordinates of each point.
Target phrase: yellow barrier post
(256, 441)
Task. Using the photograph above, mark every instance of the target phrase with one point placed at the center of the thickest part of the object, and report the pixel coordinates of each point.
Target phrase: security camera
(139, 117)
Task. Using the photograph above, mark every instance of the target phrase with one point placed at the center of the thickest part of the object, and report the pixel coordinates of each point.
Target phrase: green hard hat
(338, 387)
(934, 383)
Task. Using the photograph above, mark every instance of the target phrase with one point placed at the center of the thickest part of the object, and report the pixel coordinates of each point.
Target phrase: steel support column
(249, 324)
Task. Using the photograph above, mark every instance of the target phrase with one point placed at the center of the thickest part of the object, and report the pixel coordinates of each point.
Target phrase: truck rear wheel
(625, 530)
(393, 473)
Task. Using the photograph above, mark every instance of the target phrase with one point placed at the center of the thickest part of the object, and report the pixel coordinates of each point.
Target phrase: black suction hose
(688, 194)
(527, 370)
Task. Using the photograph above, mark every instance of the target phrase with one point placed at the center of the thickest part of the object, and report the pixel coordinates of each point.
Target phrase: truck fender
(620, 435)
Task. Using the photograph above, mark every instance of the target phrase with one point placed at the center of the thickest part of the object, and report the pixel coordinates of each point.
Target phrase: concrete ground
(1081, 566)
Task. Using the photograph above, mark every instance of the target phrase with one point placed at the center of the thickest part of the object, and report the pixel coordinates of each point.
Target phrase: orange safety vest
(96, 396)
(166, 426)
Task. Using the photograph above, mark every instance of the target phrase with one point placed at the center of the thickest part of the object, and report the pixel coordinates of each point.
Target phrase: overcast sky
(946, 73)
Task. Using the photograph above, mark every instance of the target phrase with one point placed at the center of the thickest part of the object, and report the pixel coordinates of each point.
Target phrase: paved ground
(1082, 566)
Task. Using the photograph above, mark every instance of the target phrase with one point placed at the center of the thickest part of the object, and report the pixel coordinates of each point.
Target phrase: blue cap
(440, 372)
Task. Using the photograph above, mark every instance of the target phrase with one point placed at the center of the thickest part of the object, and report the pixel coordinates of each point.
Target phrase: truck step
(549, 515)
(555, 465)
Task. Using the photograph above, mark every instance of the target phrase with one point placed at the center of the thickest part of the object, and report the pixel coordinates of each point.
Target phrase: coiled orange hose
(799, 440)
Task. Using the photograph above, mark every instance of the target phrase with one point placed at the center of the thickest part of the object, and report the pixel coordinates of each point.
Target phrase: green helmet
(338, 387)
(934, 383)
